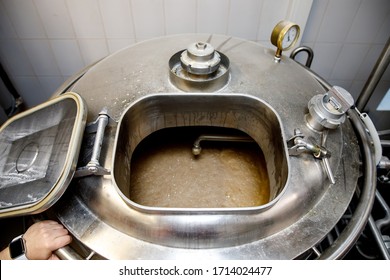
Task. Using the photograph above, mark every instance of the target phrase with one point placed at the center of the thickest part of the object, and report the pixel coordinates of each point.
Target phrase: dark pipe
(373, 80)
(384, 222)
(353, 230)
(356, 225)
(17, 100)
(7, 82)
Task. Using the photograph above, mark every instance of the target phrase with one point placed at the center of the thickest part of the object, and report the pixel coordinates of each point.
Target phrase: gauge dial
(289, 38)
(284, 35)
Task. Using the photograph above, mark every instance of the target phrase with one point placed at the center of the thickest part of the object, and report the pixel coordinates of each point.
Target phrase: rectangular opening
(153, 159)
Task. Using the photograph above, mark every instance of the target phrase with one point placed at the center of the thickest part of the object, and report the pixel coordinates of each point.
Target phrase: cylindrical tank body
(256, 96)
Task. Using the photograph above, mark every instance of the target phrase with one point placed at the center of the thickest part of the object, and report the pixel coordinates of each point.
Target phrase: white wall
(347, 37)
(43, 42)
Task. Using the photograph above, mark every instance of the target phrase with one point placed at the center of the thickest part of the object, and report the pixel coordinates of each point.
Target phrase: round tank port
(199, 68)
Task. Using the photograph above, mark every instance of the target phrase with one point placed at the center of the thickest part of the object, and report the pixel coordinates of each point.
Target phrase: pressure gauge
(284, 35)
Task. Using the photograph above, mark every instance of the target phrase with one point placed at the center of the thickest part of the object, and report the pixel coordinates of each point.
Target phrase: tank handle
(308, 50)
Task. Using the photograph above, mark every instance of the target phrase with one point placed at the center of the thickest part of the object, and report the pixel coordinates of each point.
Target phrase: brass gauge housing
(284, 35)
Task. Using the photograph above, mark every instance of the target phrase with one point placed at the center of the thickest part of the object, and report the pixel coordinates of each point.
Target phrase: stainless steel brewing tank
(266, 100)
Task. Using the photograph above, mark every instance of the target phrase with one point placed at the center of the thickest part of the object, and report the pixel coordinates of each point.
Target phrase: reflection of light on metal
(27, 157)
(196, 149)
(252, 98)
(39, 149)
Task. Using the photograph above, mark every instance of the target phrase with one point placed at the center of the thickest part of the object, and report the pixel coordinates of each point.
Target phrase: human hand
(44, 237)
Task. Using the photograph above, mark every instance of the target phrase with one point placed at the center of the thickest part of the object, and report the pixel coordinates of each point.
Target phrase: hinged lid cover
(39, 149)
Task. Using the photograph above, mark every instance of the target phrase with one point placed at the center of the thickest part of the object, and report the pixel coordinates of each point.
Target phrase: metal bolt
(201, 46)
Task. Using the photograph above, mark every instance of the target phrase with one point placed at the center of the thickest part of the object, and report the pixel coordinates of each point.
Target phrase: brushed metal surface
(98, 213)
(38, 154)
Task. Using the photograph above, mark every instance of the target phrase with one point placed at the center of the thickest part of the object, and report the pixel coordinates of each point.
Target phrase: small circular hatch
(198, 68)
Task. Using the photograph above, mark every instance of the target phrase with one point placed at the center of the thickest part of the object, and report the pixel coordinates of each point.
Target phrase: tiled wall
(43, 42)
(347, 37)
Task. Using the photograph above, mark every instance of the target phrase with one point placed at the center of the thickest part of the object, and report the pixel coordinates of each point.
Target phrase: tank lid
(40, 148)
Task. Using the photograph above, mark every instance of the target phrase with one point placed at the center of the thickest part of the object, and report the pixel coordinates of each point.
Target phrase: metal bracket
(93, 167)
(298, 145)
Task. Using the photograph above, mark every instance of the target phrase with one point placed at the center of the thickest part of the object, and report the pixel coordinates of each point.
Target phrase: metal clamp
(93, 167)
(297, 145)
(328, 110)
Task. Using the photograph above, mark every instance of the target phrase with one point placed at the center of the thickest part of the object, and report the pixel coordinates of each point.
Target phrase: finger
(53, 226)
(57, 231)
(61, 241)
(54, 257)
(48, 223)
